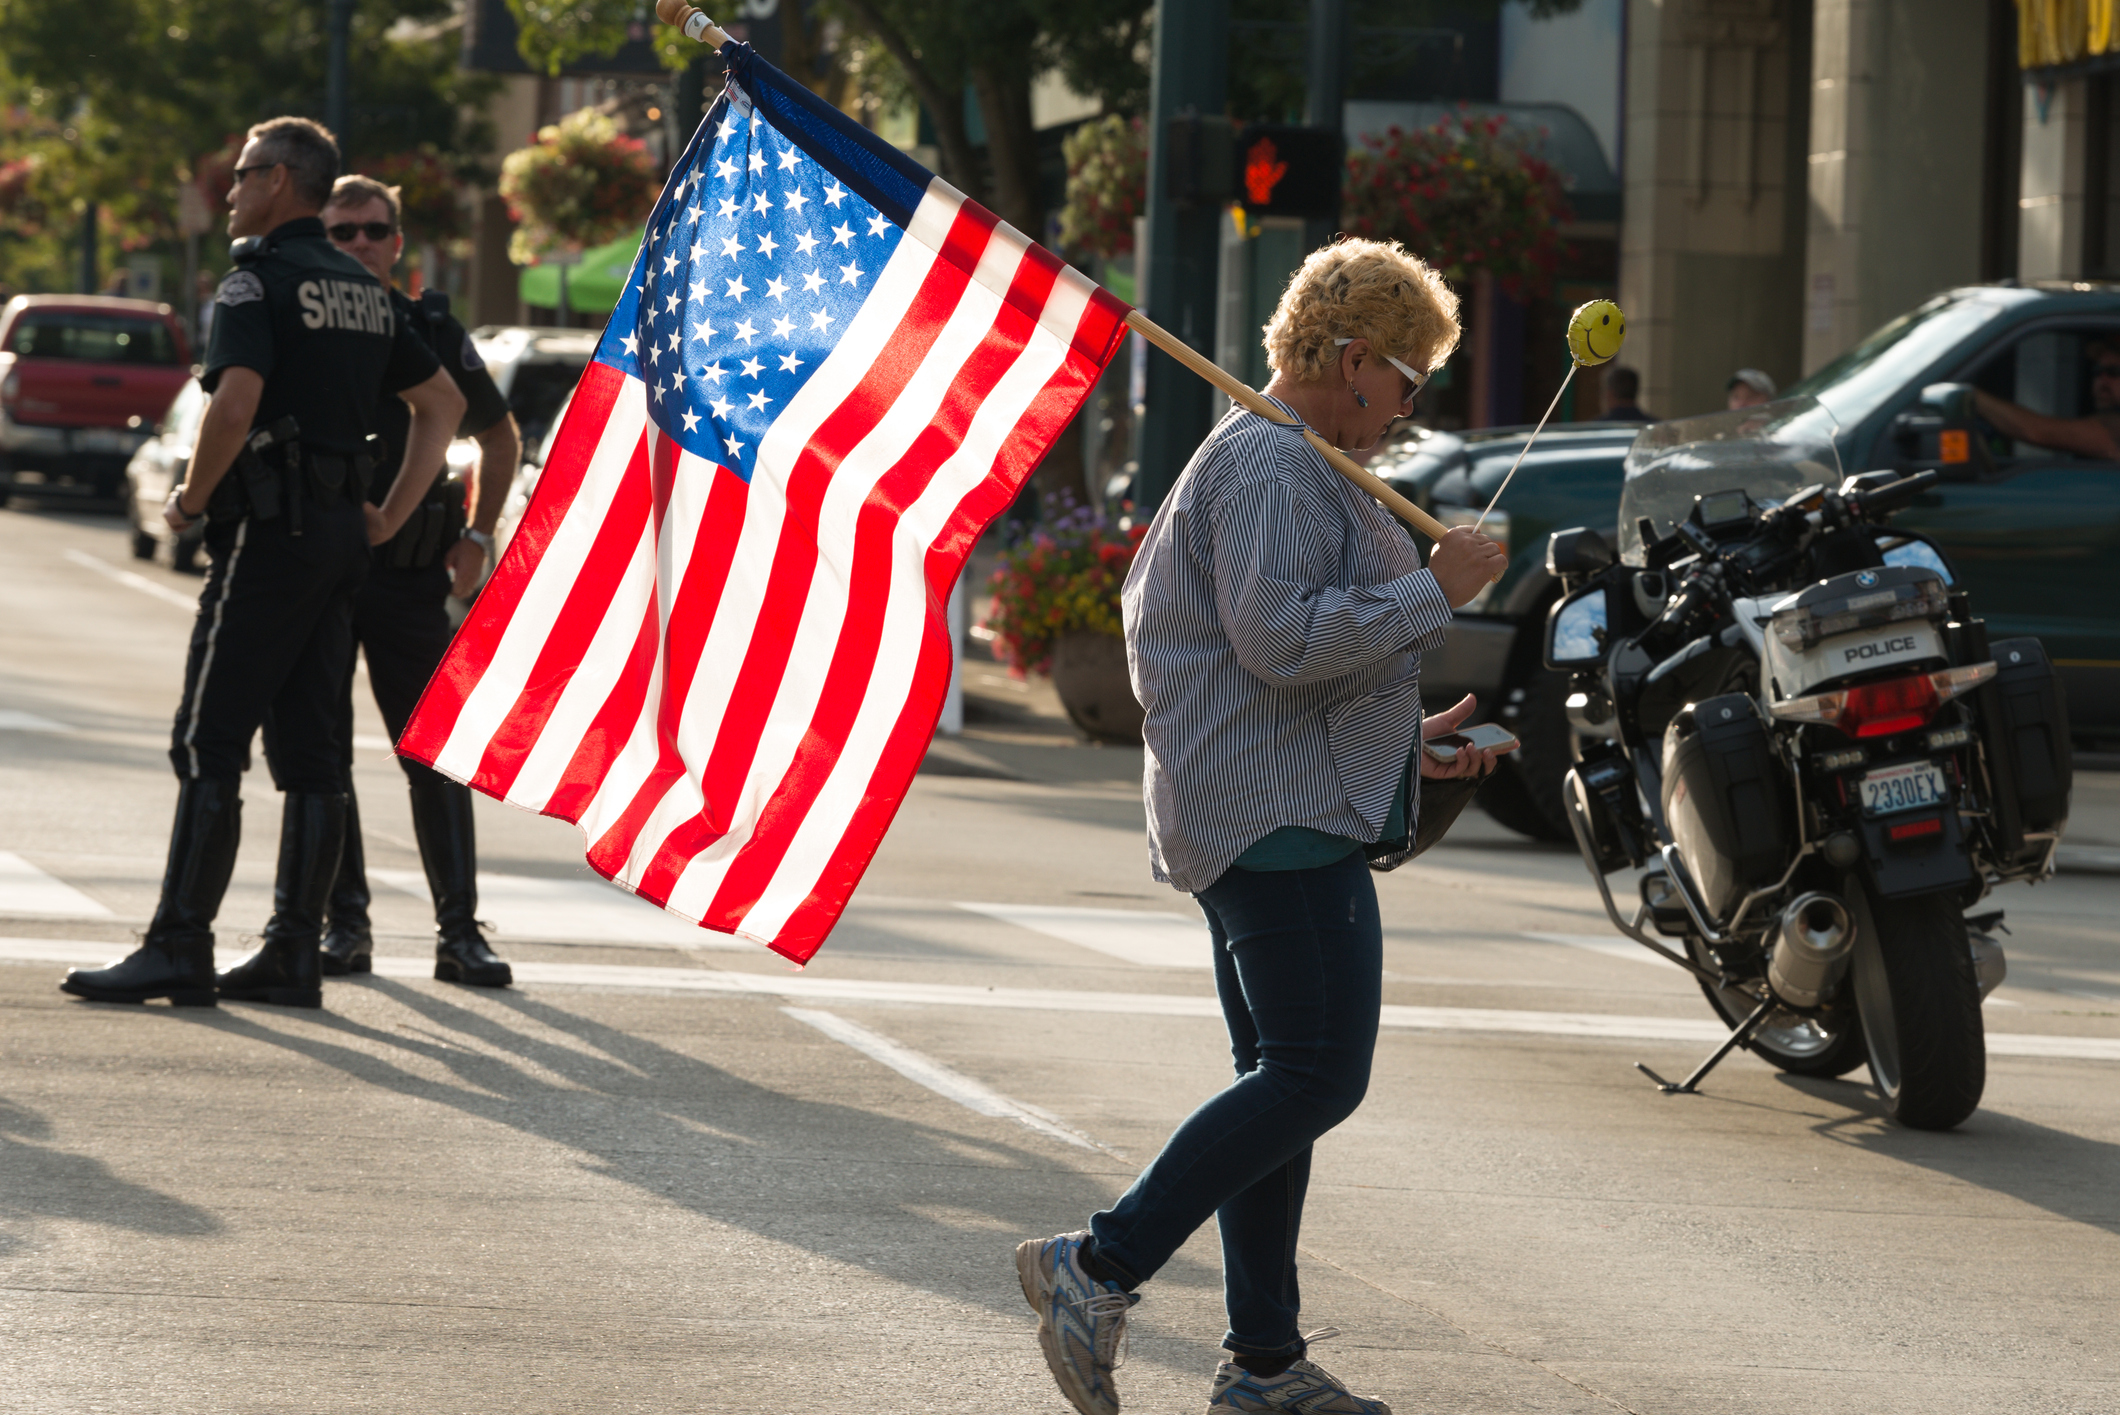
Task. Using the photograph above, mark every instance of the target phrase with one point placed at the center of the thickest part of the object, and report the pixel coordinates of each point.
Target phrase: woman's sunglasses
(1417, 379)
(345, 231)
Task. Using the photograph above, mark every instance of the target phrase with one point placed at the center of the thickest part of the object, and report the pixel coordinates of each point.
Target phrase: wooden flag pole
(698, 27)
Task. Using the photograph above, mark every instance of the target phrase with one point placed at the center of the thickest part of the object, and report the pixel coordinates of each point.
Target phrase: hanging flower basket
(1107, 185)
(1466, 196)
(582, 183)
(431, 209)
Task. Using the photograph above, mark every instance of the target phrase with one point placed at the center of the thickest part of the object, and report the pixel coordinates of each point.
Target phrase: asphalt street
(667, 1172)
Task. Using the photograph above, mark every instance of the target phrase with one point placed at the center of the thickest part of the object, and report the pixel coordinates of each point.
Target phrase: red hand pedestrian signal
(1262, 172)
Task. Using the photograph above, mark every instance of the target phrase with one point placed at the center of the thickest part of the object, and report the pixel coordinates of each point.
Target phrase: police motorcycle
(1789, 719)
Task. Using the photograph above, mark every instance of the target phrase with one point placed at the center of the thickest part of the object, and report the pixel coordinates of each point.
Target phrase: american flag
(718, 640)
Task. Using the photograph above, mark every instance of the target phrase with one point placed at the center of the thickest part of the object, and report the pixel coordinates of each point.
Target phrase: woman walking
(1275, 618)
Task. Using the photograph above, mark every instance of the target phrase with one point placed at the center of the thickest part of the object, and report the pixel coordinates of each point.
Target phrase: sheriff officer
(304, 344)
(400, 616)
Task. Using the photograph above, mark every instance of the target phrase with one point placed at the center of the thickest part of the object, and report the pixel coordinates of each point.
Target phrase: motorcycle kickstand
(1690, 1086)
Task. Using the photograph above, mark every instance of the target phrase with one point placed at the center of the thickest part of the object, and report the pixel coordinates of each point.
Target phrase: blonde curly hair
(1360, 289)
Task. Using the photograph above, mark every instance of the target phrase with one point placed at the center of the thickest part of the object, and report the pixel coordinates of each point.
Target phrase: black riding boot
(175, 958)
(285, 970)
(348, 946)
(441, 819)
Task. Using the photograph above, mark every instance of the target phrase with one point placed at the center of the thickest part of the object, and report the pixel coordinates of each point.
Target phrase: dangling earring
(1357, 393)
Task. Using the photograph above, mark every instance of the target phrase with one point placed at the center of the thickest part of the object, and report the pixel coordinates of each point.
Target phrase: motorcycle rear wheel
(1792, 1042)
(1920, 1006)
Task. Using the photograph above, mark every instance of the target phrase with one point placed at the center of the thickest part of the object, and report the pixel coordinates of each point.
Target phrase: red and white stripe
(730, 687)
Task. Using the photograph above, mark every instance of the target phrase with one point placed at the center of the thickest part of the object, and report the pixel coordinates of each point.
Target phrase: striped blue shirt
(1274, 618)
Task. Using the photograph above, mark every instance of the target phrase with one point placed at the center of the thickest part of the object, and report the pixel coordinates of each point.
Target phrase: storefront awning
(593, 285)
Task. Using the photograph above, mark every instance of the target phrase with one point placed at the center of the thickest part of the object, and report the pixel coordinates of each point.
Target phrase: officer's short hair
(1623, 383)
(353, 189)
(308, 151)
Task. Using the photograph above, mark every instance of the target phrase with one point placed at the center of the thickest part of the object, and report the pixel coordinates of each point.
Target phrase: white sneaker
(1305, 1388)
(1081, 1321)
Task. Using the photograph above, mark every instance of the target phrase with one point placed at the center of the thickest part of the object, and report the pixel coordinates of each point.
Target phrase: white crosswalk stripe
(26, 891)
(810, 987)
(1152, 940)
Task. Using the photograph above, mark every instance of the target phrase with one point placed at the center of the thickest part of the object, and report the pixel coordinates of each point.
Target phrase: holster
(434, 525)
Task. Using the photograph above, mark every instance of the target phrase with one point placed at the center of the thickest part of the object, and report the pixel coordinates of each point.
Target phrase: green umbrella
(593, 285)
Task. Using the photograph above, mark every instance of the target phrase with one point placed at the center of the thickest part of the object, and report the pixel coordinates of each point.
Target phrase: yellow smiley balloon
(1595, 332)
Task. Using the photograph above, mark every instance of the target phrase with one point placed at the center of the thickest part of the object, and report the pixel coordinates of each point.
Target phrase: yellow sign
(2051, 32)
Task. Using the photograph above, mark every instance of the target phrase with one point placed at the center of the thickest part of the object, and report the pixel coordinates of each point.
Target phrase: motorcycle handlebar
(1893, 495)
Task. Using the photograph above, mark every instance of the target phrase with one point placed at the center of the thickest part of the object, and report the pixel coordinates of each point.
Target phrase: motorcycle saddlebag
(2026, 724)
(1726, 798)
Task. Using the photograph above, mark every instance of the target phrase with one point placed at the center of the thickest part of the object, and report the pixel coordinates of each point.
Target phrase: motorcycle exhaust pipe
(1812, 943)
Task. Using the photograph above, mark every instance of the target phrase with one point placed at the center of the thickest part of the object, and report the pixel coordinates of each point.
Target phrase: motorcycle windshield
(1768, 451)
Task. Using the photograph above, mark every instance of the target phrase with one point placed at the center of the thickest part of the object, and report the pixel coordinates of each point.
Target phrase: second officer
(400, 616)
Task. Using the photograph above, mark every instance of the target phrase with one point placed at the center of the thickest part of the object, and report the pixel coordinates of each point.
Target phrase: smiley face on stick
(1595, 332)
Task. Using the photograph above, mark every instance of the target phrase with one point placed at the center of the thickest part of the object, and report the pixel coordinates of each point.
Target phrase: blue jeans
(1299, 958)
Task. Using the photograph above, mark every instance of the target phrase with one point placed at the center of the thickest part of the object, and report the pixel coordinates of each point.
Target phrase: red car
(83, 379)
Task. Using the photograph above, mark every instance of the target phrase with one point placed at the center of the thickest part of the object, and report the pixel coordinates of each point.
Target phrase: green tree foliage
(122, 106)
(995, 51)
(556, 33)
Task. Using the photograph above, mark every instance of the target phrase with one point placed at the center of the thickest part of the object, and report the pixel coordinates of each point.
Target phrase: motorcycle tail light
(1885, 709)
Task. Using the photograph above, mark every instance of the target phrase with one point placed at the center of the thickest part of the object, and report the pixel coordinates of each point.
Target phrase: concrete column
(1895, 142)
(2050, 202)
(1711, 248)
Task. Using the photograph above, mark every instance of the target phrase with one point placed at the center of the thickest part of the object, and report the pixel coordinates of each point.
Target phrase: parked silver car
(157, 465)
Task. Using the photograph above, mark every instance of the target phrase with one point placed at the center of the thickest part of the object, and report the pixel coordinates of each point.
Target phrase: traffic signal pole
(1326, 92)
(1190, 72)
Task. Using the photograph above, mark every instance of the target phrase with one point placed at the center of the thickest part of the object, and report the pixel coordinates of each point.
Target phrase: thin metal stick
(1572, 366)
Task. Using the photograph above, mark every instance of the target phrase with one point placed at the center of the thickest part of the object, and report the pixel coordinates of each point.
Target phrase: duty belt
(274, 475)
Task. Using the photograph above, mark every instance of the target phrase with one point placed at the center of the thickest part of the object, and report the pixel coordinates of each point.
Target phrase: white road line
(14, 721)
(368, 742)
(1607, 945)
(571, 911)
(131, 581)
(952, 1085)
(1136, 936)
(813, 988)
(25, 889)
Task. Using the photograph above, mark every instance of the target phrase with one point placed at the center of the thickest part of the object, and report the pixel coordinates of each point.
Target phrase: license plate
(1903, 788)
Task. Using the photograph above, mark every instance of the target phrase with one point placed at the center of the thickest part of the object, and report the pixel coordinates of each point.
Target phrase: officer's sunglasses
(242, 172)
(345, 231)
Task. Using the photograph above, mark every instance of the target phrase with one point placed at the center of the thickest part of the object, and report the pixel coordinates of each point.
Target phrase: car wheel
(1525, 794)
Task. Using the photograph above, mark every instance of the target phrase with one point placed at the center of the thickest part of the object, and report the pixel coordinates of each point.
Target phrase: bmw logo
(1866, 579)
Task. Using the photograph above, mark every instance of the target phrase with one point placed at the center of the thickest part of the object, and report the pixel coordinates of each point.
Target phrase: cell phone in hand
(1488, 736)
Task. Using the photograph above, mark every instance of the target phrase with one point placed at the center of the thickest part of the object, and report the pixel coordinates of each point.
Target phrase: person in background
(1622, 386)
(2095, 435)
(400, 616)
(1748, 388)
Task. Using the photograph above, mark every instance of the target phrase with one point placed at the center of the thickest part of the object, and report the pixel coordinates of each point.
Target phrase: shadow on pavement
(794, 1171)
(2069, 1176)
(44, 1183)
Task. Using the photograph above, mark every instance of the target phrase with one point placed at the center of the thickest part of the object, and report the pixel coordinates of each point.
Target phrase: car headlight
(1496, 529)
